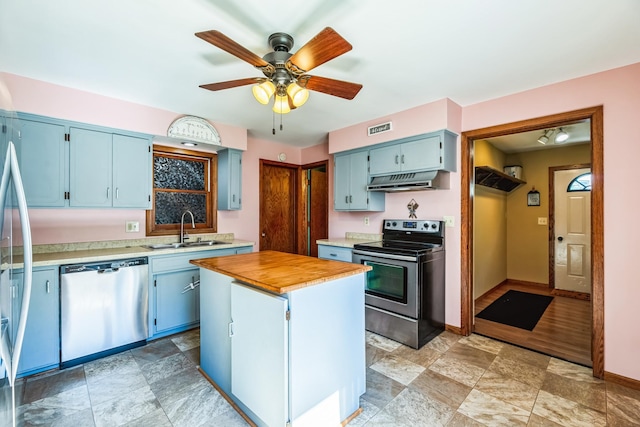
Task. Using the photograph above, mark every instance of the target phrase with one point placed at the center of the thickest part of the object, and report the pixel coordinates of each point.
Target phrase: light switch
(448, 221)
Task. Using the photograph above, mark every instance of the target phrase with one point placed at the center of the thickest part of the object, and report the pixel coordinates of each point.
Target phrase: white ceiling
(579, 133)
(405, 53)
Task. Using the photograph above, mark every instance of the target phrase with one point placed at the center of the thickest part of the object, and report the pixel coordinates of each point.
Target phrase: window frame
(211, 191)
(576, 180)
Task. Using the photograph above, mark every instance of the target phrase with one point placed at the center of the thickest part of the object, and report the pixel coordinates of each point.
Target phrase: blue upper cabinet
(132, 159)
(350, 184)
(109, 170)
(432, 151)
(42, 156)
(71, 164)
(90, 170)
(230, 179)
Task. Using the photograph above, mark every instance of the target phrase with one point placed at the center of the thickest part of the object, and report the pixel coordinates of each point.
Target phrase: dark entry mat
(515, 308)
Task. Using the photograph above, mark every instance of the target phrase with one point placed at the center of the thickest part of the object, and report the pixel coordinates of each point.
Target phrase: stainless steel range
(404, 292)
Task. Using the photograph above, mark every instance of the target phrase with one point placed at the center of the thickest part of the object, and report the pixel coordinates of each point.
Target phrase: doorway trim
(595, 115)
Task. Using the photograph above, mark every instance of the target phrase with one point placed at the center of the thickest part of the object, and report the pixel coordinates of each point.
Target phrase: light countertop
(75, 253)
(280, 272)
(350, 239)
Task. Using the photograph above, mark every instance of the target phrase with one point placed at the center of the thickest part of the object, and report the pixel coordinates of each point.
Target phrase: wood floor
(564, 331)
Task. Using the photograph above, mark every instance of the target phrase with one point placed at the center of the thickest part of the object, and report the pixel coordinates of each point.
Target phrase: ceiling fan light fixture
(298, 94)
(263, 92)
(281, 104)
(561, 136)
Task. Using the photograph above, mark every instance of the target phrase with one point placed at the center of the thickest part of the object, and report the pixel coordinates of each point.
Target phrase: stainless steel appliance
(405, 290)
(15, 246)
(104, 309)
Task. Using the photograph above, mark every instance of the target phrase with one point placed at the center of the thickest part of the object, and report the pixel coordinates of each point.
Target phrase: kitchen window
(183, 180)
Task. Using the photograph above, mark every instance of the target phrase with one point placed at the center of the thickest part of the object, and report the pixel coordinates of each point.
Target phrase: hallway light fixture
(544, 138)
(561, 136)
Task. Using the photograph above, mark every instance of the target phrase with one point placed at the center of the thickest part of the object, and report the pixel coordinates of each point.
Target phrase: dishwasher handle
(108, 270)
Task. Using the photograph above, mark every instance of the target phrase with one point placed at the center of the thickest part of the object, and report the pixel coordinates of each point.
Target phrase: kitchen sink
(184, 245)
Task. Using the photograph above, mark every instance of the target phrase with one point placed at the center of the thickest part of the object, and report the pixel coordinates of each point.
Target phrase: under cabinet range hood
(412, 181)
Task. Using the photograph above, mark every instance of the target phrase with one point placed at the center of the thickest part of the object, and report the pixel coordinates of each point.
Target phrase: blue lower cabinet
(41, 345)
(175, 292)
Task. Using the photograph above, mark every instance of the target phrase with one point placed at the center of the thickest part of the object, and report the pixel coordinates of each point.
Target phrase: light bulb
(281, 104)
(263, 92)
(562, 136)
(299, 95)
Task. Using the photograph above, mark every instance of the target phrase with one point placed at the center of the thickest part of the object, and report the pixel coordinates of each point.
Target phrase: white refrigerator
(15, 260)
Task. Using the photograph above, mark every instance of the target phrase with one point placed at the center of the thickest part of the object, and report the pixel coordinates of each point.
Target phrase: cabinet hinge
(149, 197)
(288, 315)
(149, 148)
(155, 322)
(155, 282)
(4, 128)
(440, 159)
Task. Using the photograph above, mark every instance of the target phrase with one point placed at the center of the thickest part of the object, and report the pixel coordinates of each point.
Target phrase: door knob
(560, 238)
(264, 235)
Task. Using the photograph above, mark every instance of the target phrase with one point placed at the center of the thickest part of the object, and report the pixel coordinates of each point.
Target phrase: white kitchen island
(282, 336)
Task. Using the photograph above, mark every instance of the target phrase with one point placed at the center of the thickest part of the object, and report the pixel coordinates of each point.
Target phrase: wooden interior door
(278, 206)
(318, 208)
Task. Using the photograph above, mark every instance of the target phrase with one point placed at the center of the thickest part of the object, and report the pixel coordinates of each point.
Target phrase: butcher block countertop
(280, 272)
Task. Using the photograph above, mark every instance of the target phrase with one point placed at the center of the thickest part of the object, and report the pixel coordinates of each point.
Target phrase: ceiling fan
(285, 73)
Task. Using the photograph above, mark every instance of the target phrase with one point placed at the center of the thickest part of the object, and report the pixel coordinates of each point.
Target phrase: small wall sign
(533, 197)
(374, 130)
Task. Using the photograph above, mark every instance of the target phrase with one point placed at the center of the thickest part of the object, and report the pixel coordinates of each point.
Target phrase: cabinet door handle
(233, 198)
(230, 329)
(108, 191)
(396, 159)
(117, 193)
(402, 159)
(48, 287)
(346, 199)
(350, 199)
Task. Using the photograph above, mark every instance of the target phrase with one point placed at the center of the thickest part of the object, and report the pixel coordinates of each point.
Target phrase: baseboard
(525, 283)
(453, 329)
(621, 380)
(492, 289)
(571, 294)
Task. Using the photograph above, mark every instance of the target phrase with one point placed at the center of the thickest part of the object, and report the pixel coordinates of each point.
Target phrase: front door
(278, 207)
(572, 230)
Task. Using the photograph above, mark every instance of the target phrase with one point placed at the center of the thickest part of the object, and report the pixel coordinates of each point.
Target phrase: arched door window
(580, 183)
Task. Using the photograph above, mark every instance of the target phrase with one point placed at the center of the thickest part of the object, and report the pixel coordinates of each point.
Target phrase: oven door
(392, 284)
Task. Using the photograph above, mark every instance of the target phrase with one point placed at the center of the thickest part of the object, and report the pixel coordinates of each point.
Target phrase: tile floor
(451, 381)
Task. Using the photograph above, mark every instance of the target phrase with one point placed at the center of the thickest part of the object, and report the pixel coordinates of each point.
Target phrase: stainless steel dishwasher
(103, 309)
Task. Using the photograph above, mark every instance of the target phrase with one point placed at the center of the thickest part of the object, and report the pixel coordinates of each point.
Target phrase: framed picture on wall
(533, 198)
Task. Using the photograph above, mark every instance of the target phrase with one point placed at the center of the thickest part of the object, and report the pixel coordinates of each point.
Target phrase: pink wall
(618, 91)
(434, 204)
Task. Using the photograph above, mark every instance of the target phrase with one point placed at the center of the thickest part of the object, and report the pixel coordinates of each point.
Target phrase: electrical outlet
(132, 226)
(366, 220)
(449, 221)
(542, 220)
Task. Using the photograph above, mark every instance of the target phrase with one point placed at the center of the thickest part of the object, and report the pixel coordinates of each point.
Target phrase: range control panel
(425, 226)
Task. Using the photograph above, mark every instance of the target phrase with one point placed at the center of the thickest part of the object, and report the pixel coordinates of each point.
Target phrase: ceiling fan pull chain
(274, 123)
(280, 122)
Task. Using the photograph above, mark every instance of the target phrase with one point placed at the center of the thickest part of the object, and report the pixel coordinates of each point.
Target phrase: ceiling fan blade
(218, 39)
(232, 83)
(325, 46)
(333, 87)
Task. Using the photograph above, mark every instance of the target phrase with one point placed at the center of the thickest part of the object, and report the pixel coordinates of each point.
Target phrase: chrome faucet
(183, 234)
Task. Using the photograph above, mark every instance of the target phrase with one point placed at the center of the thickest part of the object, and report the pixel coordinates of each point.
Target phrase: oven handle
(385, 256)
